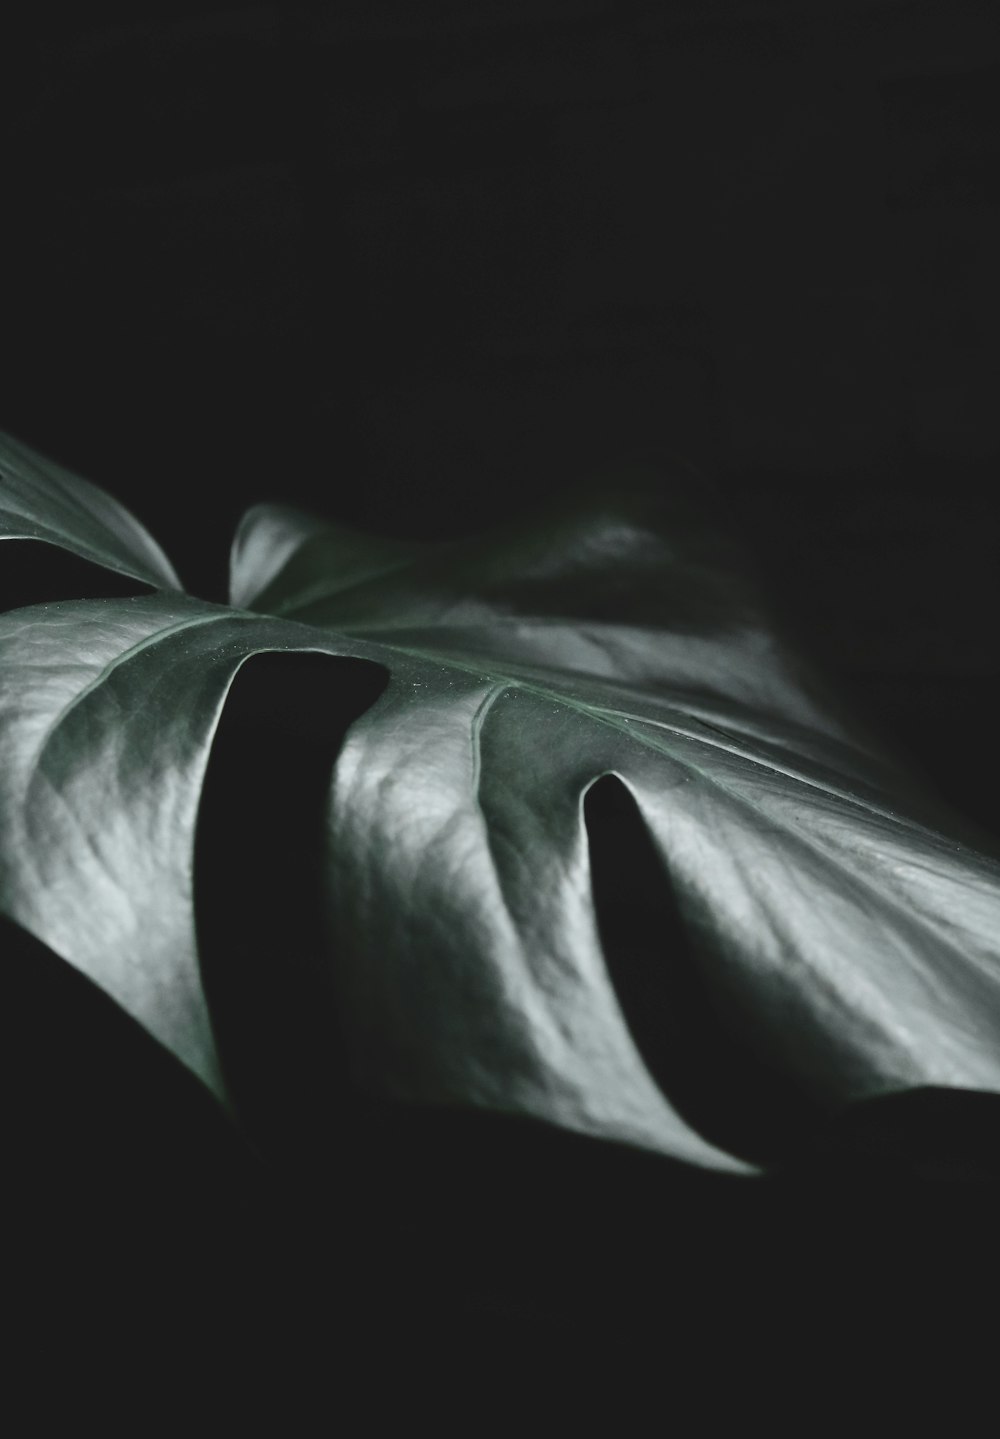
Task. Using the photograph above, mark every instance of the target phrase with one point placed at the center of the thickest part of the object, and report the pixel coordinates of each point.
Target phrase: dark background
(415, 265)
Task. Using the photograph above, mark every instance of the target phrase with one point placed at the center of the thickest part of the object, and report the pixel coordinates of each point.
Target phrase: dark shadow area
(139, 1231)
(948, 1138)
(111, 1095)
(706, 1070)
(35, 573)
(451, 1228)
(128, 1198)
(259, 876)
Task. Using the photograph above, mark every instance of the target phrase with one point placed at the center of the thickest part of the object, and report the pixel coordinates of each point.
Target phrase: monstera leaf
(594, 841)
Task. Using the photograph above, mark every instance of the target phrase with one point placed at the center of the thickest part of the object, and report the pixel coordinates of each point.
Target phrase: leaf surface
(42, 501)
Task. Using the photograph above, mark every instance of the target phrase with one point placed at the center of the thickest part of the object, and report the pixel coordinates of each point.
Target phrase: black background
(414, 265)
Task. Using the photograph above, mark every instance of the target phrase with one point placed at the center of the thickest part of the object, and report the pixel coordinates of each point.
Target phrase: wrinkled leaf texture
(594, 827)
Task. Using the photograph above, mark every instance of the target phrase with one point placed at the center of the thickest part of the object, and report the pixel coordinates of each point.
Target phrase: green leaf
(41, 501)
(598, 683)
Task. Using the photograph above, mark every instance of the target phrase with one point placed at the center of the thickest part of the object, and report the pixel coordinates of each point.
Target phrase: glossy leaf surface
(789, 913)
